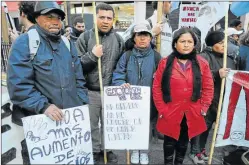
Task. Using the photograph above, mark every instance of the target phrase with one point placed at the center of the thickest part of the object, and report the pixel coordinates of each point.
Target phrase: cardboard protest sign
(64, 142)
(234, 123)
(126, 117)
(188, 15)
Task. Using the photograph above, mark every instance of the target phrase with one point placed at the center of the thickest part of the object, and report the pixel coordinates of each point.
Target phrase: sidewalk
(156, 153)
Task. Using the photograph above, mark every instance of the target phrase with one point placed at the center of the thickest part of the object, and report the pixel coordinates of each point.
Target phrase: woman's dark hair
(234, 23)
(244, 40)
(104, 6)
(177, 34)
(27, 7)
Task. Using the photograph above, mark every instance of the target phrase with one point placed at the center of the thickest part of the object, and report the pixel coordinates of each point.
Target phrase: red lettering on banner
(191, 8)
(191, 14)
(188, 19)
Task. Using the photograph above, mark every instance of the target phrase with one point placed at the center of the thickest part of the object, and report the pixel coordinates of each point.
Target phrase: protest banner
(59, 142)
(234, 123)
(188, 15)
(209, 14)
(126, 117)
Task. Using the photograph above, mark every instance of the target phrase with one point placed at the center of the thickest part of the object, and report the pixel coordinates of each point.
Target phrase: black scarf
(47, 35)
(77, 32)
(168, 72)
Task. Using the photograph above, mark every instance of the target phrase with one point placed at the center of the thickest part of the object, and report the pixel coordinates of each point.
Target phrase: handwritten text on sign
(188, 15)
(126, 117)
(64, 142)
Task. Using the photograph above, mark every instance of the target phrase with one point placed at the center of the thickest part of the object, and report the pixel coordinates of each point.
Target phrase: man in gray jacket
(49, 80)
(110, 50)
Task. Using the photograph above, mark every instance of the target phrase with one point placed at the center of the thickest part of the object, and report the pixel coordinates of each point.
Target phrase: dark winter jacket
(112, 49)
(216, 63)
(137, 69)
(54, 76)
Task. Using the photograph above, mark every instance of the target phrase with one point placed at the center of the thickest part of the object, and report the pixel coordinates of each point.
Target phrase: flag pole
(65, 11)
(221, 94)
(159, 20)
(128, 156)
(99, 66)
(83, 9)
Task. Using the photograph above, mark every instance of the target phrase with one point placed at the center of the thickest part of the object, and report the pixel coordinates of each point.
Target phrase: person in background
(78, 28)
(233, 43)
(162, 28)
(26, 9)
(67, 31)
(213, 53)
(243, 60)
(117, 25)
(110, 50)
(198, 35)
(125, 73)
(236, 24)
(182, 91)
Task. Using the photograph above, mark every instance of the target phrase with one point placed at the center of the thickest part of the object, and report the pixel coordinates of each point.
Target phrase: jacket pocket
(44, 63)
(197, 109)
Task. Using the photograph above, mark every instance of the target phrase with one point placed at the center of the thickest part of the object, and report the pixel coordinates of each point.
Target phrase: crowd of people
(185, 81)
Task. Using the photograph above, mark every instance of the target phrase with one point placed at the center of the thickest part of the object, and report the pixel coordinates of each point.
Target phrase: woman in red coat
(182, 91)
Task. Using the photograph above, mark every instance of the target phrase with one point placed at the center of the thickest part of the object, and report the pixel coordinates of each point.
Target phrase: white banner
(126, 117)
(65, 142)
(209, 14)
(234, 121)
(188, 15)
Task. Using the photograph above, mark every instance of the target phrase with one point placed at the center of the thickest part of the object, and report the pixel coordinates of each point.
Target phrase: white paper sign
(234, 121)
(65, 142)
(126, 117)
(188, 15)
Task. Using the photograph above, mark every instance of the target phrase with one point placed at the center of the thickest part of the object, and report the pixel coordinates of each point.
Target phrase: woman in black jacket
(213, 53)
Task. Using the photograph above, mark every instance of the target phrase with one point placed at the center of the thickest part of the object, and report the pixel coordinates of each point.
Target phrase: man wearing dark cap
(213, 53)
(50, 79)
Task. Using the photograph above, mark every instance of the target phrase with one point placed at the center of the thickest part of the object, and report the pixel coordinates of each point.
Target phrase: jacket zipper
(139, 71)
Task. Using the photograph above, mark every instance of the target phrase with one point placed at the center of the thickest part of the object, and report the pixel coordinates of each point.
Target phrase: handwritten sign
(188, 15)
(59, 142)
(126, 117)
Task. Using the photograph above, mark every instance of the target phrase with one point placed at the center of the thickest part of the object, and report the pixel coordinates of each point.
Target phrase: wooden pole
(83, 9)
(159, 20)
(99, 66)
(65, 11)
(221, 94)
(5, 32)
(128, 156)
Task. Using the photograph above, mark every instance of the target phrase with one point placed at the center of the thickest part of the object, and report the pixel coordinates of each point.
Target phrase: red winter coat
(181, 87)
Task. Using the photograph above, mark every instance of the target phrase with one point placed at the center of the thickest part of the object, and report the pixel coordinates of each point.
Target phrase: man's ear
(23, 15)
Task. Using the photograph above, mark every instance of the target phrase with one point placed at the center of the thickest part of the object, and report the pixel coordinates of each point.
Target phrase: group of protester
(185, 82)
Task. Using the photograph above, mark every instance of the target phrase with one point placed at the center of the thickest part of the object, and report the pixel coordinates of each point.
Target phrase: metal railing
(5, 48)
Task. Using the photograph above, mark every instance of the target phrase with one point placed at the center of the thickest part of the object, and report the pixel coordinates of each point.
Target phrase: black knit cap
(214, 38)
